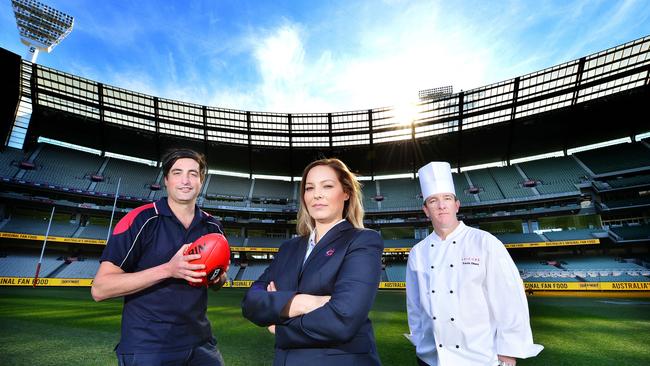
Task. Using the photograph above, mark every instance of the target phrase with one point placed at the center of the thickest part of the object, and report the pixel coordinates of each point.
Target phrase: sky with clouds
(324, 56)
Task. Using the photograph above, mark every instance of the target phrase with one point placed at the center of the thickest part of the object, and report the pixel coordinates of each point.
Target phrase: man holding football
(164, 319)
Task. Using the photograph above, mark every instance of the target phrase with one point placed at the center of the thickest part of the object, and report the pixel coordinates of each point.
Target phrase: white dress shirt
(466, 301)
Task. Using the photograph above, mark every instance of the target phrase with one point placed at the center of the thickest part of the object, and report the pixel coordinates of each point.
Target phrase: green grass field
(63, 326)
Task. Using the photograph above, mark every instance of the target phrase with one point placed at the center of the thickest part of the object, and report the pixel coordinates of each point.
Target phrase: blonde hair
(352, 208)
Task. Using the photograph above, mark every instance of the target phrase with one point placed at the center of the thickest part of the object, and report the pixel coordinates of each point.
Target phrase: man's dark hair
(170, 158)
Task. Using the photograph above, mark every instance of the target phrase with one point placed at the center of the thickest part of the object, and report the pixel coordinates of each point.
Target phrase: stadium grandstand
(555, 163)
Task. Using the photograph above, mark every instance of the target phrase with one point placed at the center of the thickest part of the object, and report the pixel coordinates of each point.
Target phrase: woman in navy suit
(316, 294)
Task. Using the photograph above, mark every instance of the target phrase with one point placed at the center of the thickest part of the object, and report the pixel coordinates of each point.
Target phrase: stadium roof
(513, 115)
(325, 56)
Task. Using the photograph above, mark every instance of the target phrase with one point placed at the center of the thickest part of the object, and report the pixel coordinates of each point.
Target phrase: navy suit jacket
(346, 264)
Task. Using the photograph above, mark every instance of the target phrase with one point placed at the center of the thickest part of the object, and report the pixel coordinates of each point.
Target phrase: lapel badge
(330, 252)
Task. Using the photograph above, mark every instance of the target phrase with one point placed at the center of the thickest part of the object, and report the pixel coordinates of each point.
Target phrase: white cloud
(396, 58)
(420, 45)
(280, 56)
(288, 82)
(172, 67)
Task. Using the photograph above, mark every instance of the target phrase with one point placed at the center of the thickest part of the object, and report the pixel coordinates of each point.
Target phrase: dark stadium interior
(10, 79)
(550, 213)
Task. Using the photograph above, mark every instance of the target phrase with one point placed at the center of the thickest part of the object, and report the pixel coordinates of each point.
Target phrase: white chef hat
(435, 178)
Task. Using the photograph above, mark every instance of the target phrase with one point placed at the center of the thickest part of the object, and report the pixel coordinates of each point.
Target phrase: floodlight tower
(40, 26)
(436, 93)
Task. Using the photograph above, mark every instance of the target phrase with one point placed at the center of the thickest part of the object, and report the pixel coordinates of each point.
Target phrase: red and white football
(215, 254)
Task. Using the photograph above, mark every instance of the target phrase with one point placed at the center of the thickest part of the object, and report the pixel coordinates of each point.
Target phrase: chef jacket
(466, 301)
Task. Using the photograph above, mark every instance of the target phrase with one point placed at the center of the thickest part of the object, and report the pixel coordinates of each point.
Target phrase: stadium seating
(400, 243)
(400, 194)
(621, 182)
(616, 158)
(511, 238)
(222, 203)
(510, 182)
(86, 268)
(483, 180)
(254, 270)
(536, 265)
(598, 264)
(63, 167)
(232, 271)
(37, 223)
(235, 241)
(274, 194)
(265, 188)
(550, 278)
(632, 232)
(229, 186)
(159, 193)
(369, 191)
(583, 269)
(136, 178)
(10, 160)
(268, 206)
(462, 188)
(496, 185)
(95, 231)
(24, 265)
(555, 175)
(617, 278)
(637, 201)
(259, 242)
(396, 272)
(581, 234)
(226, 191)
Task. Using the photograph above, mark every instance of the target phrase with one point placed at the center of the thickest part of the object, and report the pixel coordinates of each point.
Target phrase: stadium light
(436, 93)
(41, 27)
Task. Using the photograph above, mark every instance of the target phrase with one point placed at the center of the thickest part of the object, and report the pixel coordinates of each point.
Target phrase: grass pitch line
(621, 302)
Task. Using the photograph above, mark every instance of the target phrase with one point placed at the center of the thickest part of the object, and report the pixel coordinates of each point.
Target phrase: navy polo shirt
(170, 315)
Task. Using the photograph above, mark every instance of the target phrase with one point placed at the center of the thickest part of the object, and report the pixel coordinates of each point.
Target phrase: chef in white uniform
(465, 299)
